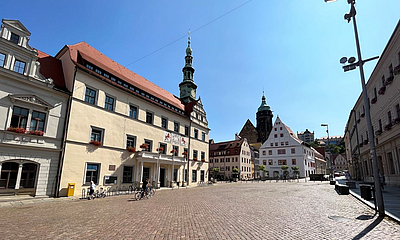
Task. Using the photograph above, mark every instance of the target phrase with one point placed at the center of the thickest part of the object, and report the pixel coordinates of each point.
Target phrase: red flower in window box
(184, 153)
(144, 146)
(373, 100)
(160, 149)
(194, 159)
(396, 120)
(16, 130)
(36, 132)
(203, 160)
(131, 149)
(173, 151)
(96, 143)
(382, 90)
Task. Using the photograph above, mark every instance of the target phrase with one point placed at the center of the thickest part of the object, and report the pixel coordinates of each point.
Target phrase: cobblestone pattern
(226, 211)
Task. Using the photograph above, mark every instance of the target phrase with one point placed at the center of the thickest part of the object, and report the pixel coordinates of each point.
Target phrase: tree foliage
(262, 168)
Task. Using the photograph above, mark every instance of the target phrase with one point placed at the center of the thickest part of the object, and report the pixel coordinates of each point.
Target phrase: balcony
(29, 139)
(154, 157)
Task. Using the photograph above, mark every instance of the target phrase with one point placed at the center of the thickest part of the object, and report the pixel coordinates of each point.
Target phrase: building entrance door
(162, 177)
(28, 175)
(8, 178)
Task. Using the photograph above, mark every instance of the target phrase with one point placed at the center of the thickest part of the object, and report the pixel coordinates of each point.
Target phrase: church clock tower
(264, 121)
(187, 87)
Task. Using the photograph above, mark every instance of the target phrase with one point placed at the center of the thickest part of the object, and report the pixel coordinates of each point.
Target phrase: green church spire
(263, 105)
(187, 86)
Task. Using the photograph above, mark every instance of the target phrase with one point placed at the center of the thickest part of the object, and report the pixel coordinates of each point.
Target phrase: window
(96, 135)
(37, 121)
(130, 141)
(186, 150)
(109, 104)
(280, 128)
(269, 152)
(272, 144)
(19, 117)
(264, 162)
(2, 59)
(270, 162)
(216, 160)
(19, 66)
(391, 73)
(176, 127)
(281, 135)
(149, 144)
(133, 111)
(281, 162)
(293, 150)
(211, 161)
(275, 135)
(389, 114)
(282, 143)
(194, 154)
(276, 144)
(149, 117)
(264, 152)
(222, 160)
(186, 131)
(164, 147)
(398, 111)
(380, 125)
(203, 155)
(293, 161)
(176, 148)
(196, 133)
(92, 173)
(287, 143)
(164, 122)
(281, 151)
(14, 38)
(127, 176)
(90, 96)
(194, 175)
(203, 136)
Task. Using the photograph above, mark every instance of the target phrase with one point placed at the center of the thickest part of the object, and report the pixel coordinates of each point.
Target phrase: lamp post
(378, 191)
(330, 167)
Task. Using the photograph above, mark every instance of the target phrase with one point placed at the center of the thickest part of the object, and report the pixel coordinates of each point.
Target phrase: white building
(284, 148)
(33, 103)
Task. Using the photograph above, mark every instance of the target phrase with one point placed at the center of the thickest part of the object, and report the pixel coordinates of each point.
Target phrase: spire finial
(189, 35)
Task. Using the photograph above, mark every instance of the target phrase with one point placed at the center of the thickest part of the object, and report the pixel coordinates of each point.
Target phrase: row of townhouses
(384, 103)
(79, 117)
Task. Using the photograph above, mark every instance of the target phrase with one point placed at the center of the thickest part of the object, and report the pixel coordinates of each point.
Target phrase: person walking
(91, 190)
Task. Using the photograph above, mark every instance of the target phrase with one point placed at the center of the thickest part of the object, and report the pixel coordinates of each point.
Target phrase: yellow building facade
(122, 129)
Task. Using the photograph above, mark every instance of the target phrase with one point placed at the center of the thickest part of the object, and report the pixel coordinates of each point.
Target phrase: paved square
(224, 211)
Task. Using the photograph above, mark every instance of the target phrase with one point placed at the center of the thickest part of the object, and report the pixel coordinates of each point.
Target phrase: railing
(160, 156)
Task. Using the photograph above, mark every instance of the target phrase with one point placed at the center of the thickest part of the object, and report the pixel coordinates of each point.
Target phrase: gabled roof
(226, 145)
(95, 57)
(50, 67)
(17, 25)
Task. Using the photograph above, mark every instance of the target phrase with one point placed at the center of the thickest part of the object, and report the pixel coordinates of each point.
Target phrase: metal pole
(378, 190)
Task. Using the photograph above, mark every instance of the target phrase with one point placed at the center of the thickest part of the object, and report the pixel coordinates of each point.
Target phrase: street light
(330, 168)
(378, 191)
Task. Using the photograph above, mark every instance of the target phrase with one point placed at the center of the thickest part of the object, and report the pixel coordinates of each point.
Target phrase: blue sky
(289, 48)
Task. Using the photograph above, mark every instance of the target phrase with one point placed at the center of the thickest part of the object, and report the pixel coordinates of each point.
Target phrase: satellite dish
(352, 59)
(343, 60)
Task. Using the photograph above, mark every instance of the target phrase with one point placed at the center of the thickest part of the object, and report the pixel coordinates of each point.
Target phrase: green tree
(315, 143)
(262, 168)
(235, 170)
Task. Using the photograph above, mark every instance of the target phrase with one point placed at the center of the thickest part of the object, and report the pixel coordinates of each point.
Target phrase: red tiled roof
(226, 145)
(51, 67)
(97, 58)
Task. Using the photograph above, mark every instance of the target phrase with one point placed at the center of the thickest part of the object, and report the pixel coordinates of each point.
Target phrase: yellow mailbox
(71, 189)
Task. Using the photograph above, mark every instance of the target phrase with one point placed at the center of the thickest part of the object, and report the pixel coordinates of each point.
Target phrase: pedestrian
(381, 180)
(91, 190)
(348, 176)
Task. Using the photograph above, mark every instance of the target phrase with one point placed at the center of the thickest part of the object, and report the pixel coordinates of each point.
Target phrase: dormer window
(19, 66)
(14, 38)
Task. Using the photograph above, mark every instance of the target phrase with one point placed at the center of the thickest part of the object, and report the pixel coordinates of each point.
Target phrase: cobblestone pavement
(224, 211)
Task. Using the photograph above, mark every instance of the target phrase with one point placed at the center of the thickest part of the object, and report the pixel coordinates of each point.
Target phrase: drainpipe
(64, 140)
(190, 132)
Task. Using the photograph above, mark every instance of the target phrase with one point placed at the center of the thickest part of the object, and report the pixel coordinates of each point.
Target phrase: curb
(371, 205)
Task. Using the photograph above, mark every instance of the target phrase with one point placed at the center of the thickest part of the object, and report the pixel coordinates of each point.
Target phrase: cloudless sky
(289, 48)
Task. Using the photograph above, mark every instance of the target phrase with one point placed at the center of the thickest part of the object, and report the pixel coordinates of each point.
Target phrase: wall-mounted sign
(175, 139)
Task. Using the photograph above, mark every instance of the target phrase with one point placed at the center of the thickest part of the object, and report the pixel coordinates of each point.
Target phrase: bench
(351, 184)
(342, 189)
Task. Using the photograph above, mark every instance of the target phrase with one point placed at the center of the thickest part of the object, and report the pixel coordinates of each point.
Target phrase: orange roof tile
(97, 58)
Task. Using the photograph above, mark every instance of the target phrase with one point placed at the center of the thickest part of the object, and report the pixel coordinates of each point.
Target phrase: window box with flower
(389, 80)
(373, 101)
(144, 146)
(203, 160)
(96, 143)
(36, 132)
(396, 120)
(379, 132)
(173, 151)
(160, 150)
(382, 90)
(389, 126)
(16, 129)
(396, 70)
(195, 159)
(131, 149)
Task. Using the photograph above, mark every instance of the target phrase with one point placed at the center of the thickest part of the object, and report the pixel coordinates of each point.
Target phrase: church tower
(187, 87)
(264, 121)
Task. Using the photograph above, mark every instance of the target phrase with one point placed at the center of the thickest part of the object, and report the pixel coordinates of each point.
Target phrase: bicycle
(150, 191)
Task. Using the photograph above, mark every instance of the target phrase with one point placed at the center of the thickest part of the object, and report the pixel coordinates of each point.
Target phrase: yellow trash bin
(71, 189)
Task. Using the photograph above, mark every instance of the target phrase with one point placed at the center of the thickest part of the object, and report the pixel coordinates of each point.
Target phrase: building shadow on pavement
(369, 228)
